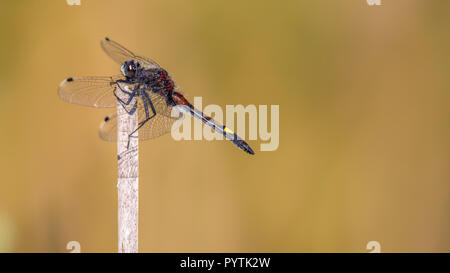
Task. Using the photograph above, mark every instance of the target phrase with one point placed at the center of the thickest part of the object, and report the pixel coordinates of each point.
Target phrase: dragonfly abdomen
(221, 129)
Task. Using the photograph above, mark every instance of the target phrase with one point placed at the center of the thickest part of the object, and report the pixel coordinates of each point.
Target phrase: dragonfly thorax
(156, 79)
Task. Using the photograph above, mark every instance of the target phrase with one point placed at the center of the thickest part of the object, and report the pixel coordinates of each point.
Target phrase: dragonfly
(143, 88)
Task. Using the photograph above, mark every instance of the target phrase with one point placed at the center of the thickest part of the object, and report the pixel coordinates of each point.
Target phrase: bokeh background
(364, 126)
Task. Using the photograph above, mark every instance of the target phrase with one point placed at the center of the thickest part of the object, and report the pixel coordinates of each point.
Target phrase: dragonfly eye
(128, 69)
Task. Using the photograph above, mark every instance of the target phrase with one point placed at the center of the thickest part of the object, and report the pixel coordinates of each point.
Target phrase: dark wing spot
(107, 39)
(106, 119)
(70, 79)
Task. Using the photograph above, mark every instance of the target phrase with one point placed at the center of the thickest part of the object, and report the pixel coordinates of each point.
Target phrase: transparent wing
(120, 54)
(89, 91)
(157, 126)
(162, 105)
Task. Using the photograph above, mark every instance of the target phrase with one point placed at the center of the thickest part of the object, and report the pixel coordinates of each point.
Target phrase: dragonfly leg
(123, 104)
(150, 102)
(147, 117)
(127, 82)
(130, 95)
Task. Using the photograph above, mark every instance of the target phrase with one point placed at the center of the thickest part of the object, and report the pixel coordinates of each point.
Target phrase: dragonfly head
(129, 68)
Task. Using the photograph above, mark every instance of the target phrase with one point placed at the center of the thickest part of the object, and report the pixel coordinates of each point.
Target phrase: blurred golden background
(364, 126)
